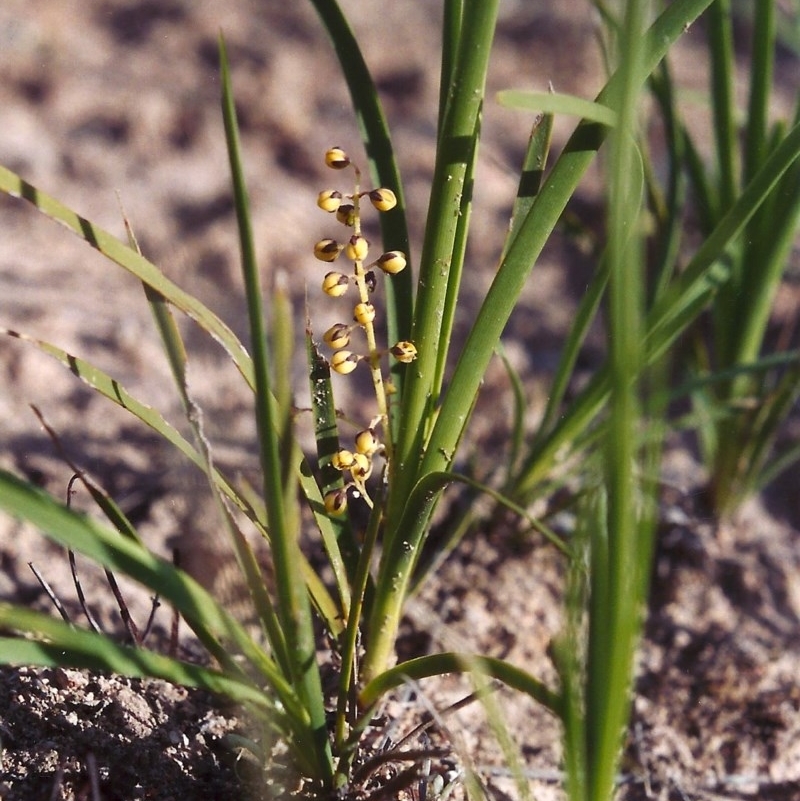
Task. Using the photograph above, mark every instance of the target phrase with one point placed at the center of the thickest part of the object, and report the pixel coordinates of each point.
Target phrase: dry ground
(105, 96)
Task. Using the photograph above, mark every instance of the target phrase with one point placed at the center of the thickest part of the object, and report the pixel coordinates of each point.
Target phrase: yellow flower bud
(329, 200)
(346, 214)
(336, 158)
(327, 250)
(404, 351)
(335, 284)
(366, 442)
(392, 262)
(362, 467)
(343, 460)
(344, 362)
(364, 313)
(357, 248)
(383, 199)
(336, 502)
(337, 336)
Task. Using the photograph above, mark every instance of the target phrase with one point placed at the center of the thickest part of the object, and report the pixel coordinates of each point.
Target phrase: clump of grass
(400, 459)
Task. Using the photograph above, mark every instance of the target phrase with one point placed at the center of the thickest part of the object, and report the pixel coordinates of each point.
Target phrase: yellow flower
(366, 442)
(382, 199)
(327, 250)
(357, 248)
(335, 284)
(392, 262)
(329, 200)
(336, 158)
(404, 351)
(337, 336)
(336, 502)
(344, 361)
(362, 467)
(343, 460)
(364, 313)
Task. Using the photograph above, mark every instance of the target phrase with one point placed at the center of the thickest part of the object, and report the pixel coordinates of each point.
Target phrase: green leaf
(448, 662)
(208, 619)
(557, 103)
(130, 260)
(294, 608)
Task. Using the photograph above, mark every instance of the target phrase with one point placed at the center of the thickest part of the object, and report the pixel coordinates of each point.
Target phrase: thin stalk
(455, 153)
(614, 604)
(722, 67)
(375, 353)
(762, 62)
(350, 646)
(294, 608)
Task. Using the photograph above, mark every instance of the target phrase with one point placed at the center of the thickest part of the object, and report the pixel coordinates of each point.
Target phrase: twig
(93, 624)
(94, 488)
(417, 755)
(58, 780)
(94, 778)
(176, 618)
(50, 594)
(155, 604)
(124, 612)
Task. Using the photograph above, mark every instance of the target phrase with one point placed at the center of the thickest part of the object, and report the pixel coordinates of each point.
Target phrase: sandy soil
(115, 96)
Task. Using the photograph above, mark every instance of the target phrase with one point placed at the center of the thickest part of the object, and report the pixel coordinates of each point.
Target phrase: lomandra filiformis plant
(398, 458)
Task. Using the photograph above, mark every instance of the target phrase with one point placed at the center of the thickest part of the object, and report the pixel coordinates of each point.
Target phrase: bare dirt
(106, 96)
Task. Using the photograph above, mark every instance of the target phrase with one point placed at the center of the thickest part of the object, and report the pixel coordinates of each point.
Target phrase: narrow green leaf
(130, 260)
(212, 624)
(294, 609)
(448, 662)
(558, 103)
(723, 65)
(114, 391)
(531, 175)
(69, 646)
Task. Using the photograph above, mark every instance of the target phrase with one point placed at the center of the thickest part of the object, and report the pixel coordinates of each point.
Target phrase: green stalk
(452, 16)
(294, 608)
(761, 71)
(479, 347)
(531, 238)
(614, 598)
(722, 67)
(457, 148)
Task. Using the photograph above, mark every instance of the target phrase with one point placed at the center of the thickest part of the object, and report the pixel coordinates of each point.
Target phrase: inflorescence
(343, 360)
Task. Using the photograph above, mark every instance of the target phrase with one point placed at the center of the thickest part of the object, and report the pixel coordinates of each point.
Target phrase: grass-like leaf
(558, 103)
(127, 258)
(437, 664)
(294, 609)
